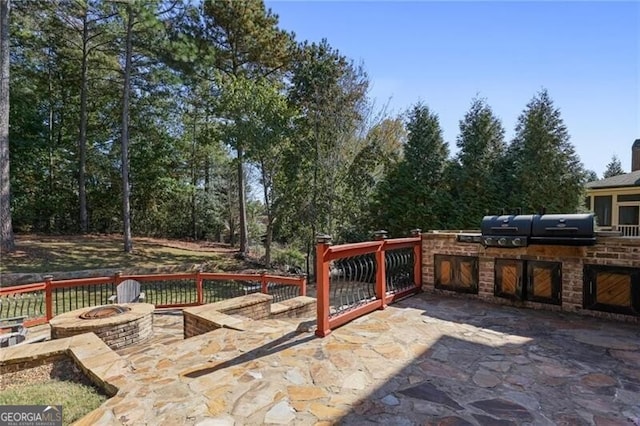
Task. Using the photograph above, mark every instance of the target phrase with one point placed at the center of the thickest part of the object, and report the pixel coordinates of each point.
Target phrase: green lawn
(64, 386)
(77, 400)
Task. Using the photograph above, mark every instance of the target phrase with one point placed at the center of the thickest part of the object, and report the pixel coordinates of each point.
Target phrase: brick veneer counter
(608, 251)
(117, 331)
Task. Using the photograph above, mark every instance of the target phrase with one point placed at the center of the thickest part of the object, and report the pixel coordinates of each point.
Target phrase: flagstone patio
(426, 360)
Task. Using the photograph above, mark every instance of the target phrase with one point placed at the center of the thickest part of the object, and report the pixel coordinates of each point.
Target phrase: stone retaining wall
(237, 313)
(8, 370)
(205, 318)
(298, 307)
(12, 279)
(105, 368)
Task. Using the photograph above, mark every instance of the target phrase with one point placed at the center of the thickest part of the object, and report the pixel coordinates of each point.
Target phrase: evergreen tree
(248, 44)
(590, 176)
(542, 163)
(474, 176)
(382, 151)
(413, 194)
(614, 168)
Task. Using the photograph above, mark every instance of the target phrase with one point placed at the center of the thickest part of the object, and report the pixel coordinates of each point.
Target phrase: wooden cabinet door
(509, 275)
(544, 282)
(456, 273)
(468, 272)
(443, 271)
(612, 288)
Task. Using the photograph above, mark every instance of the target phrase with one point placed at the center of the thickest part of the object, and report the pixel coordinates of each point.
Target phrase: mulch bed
(61, 370)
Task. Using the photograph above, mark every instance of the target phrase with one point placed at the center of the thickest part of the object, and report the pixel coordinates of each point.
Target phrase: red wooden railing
(13, 295)
(326, 254)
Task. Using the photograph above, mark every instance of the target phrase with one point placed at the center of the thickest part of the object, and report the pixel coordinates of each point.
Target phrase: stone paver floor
(426, 360)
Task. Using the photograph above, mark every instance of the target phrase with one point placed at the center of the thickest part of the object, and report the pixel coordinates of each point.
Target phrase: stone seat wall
(237, 313)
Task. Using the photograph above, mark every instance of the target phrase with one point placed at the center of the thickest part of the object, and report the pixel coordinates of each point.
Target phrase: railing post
(322, 286)
(263, 284)
(48, 297)
(303, 287)
(199, 287)
(417, 259)
(381, 270)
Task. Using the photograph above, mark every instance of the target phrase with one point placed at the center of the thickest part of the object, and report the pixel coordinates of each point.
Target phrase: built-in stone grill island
(601, 279)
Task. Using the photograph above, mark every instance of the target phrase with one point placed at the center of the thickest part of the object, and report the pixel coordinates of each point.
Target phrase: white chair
(128, 291)
(12, 331)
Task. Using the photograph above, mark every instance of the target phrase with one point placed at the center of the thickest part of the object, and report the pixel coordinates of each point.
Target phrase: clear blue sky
(586, 54)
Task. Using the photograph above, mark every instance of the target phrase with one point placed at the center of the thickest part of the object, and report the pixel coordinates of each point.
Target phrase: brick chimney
(635, 155)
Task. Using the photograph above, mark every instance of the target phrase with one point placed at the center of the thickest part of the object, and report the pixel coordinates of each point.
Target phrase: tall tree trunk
(230, 213)
(194, 179)
(126, 209)
(6, 232)
(82, 137)
(242, 204)
(267, 204)
(207, 158)
(51, 216)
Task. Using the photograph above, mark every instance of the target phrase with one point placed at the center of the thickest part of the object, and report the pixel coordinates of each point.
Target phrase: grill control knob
(502, 242)
(516, 242)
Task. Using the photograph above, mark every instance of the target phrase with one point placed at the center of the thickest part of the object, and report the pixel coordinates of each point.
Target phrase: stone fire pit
(118, 326)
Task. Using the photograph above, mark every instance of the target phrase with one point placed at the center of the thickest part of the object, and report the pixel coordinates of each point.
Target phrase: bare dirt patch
(61, 369)
(37, 253)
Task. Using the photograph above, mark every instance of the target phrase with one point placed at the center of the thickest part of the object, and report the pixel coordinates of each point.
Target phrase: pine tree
(249, 44)
(614, 168)
(544, 169)
(413, 194)
(590, 176)
(475, 182)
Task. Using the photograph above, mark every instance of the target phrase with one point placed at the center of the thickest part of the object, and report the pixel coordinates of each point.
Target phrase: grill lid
(507, 225)
(563, 225)
(569, 229)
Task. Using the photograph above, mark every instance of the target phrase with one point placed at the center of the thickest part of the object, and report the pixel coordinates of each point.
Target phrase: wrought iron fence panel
(399, 269)
(169, 291)
(67, 299)
(217, 290)
(30, 305)
(352, 282)
(282, 292)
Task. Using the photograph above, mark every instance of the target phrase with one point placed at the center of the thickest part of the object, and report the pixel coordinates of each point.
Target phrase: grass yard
(55, 383)
(77, 400)
(44, 253)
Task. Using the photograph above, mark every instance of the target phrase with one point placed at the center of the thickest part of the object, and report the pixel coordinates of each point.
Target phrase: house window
(602, 209)
(625, 198)
(629, 215)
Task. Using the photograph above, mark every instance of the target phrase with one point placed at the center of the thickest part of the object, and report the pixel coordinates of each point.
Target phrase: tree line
(207, 120)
